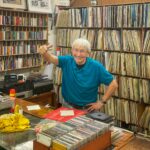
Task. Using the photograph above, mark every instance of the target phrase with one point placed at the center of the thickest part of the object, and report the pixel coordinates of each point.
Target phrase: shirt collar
(76, 67)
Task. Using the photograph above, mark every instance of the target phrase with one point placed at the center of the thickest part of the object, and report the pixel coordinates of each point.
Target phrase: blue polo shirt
(80, 85)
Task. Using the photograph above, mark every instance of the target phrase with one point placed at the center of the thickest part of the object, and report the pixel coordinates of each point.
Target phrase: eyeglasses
(82, 51)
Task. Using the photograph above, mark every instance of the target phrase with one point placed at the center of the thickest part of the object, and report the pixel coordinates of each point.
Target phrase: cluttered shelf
(21, 33)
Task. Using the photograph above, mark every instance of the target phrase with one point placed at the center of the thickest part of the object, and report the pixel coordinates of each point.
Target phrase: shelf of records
(12, 63)
(129, 115)
(8, 48)
(72, 134)
(22, 19)
(116, 40)
(118, 16)
(9, 34)
(131, 89)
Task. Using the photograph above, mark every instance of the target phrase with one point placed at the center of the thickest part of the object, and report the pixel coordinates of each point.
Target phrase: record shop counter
(9, 141)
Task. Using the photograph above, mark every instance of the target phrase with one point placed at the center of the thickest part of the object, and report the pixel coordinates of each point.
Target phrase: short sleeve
(62, 60)
(105, 76)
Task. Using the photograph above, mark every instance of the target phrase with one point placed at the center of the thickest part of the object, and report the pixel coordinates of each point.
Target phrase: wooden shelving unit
(21, 33)
(118, 32)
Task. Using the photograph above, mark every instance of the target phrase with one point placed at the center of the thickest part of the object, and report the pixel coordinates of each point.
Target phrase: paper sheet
(33, 107)
(66, 113)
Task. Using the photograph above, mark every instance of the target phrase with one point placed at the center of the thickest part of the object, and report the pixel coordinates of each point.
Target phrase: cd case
(100, 116)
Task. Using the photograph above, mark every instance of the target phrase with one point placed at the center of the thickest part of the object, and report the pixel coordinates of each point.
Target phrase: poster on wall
(43, 6)
(16, 4)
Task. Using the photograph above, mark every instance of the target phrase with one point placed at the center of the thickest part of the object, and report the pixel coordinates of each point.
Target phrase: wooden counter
(37, 113)
(44, 99)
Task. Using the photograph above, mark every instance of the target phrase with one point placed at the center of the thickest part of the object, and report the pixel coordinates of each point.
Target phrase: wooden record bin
(100, 143)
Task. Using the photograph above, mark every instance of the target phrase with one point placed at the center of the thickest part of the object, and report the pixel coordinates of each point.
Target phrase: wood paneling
(80, 3)
(87, 3)
(118, 2)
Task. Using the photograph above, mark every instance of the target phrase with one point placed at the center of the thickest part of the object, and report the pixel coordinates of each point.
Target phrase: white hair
(82, 42)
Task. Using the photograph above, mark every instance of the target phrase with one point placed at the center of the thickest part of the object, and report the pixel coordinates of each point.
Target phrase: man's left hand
(95, 106)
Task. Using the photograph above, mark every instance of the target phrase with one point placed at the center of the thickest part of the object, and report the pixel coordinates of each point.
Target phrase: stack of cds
(84, 130)
(72, 134)
(46, 136)
(5, 102)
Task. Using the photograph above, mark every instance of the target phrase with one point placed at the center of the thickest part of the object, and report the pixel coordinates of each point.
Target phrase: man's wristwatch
(103, 102)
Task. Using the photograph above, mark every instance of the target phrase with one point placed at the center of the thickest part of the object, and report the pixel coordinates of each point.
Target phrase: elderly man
(81, 77)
